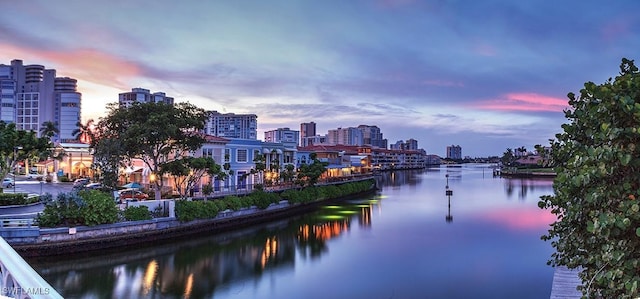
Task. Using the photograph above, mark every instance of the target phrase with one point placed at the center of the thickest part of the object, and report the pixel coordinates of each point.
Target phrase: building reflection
(200, 268)
(395, 178)
(525, 185)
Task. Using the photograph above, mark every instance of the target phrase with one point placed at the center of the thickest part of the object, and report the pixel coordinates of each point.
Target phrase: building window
(242, 155)
(227, 155)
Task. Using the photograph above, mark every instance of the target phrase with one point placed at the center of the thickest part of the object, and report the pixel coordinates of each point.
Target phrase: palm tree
(84, 132)
(48, 129)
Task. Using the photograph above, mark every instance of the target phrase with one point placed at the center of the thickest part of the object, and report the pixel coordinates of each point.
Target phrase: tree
(48, 129)
(508, 158)
(260, 167)
(597, 187)
(308, 174)
(19, 145)
(85, 132)
(188, 171)
(157, 133)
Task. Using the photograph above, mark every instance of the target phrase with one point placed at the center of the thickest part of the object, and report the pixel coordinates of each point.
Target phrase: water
(404, 242)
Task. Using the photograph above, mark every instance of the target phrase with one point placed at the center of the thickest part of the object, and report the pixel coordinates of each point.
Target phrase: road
(32, 186)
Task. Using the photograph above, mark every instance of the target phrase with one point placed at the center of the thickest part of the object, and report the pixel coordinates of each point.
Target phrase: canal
(410, 240)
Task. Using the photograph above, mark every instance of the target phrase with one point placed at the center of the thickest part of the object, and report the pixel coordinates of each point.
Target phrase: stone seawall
(68, 240)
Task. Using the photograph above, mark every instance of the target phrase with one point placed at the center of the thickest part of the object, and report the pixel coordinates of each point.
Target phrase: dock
(564, 285)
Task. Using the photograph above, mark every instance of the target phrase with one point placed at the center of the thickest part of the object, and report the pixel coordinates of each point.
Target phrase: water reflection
(525, 185)
(199, 268)
(493, 249)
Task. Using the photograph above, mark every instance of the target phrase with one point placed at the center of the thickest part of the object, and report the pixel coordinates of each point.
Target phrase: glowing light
(188, 286)
(149, 276)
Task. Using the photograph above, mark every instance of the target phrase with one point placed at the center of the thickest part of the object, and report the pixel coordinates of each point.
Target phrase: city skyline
(485, 76)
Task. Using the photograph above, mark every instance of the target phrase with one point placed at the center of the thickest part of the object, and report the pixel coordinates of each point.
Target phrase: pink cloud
(525, 102)
(521, 219)
(82, 64)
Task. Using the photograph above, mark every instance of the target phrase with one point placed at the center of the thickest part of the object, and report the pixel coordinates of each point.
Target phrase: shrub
(11, 199)
(597, 188)
(65, 209)
(137, 213)
(233, 202)
(190, 210)
(99, 208)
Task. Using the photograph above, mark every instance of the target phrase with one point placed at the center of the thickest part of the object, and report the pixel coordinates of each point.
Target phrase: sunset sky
(485, 75)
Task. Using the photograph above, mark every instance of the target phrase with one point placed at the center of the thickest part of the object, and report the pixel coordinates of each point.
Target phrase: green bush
(90, 207)
(233, 202)
(137, 213)
(597, 188)
(99, 208)
(191, 210)
(65, 209)
(11, 199)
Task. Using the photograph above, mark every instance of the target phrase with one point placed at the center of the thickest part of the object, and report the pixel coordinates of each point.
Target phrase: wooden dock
(565, 282)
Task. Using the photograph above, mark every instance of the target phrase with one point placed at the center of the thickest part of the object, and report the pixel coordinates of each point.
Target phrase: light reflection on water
(409, 241)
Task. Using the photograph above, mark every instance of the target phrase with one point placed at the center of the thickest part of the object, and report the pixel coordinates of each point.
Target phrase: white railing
(18, 279)
(7, 223)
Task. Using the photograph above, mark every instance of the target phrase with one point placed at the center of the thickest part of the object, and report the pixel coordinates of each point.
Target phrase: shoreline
(50, 242)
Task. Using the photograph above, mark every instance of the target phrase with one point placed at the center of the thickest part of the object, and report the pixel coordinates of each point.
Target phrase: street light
(15, 161)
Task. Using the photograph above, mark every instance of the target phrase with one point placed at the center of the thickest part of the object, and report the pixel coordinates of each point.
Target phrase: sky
(485, 75)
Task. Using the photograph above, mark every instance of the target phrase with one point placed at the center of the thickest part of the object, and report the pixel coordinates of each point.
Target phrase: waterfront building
(31, 95)
(231, 125)
(454, 152)
(282, 135)
(142, 95)
(241, 155)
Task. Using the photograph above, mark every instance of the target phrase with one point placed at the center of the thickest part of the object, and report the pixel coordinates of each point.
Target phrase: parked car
(34, 176)
(92, 186)
(80, 182)
(133, 194)
(8, 183)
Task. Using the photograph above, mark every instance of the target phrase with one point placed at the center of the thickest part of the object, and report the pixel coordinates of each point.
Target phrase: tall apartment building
(143, 96)
(230, 125)
(345, 136)
(399, 145)
(282, 135)
(314, 140)
(307, 130)
(411, 144)
(31, 95)
(371, 135)
(454, 152)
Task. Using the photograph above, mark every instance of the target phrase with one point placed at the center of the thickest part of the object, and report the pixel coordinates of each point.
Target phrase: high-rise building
(399, 145)
(307, 129)
(32, 95)
(411, 144)
(454, 152)
(371, 135)
(230, 125)
(143, 96)
(313, 140)
(345, 136)
(282, 135)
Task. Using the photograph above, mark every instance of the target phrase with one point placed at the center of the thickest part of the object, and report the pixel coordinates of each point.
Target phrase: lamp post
(15, 161)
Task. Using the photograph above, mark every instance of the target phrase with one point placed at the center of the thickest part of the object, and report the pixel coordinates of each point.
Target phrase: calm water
(405, 242)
